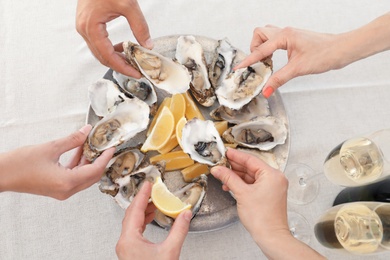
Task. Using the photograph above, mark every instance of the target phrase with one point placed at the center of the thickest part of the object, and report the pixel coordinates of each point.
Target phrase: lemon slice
(161, 132)
(194, 171)
(165, 103)
(221, 126)
(178, 106)
(172, 143)
(179, 126)
(192, 109)
(165, 201)
(174, 160)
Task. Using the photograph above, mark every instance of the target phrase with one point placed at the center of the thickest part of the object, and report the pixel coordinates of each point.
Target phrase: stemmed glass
(299, 226)
(357, 161)
(357, 227)
(303, 185)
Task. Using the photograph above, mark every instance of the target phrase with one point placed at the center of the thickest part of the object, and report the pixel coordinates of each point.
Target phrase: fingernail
(149, 43)
(86, 129)
(267, 91)
(214, 170)
(187, 215)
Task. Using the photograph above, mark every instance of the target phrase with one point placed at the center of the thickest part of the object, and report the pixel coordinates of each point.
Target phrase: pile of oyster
(125, 107)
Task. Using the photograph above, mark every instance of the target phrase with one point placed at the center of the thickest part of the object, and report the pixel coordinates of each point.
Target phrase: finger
(258, 54)
(257, 39)
(252, 164)
(228, 178)
(278, 79)
(86, 175)
(135, 214)
(138, 25)
(72, 141)
(106, 53)
(76, 158)
(179, 230)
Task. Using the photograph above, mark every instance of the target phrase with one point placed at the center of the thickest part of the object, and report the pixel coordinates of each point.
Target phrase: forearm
(285, 246)
(365, 41)
(7, 176)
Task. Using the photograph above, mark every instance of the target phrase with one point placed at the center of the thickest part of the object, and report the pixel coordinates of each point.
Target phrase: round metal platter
(218, 208)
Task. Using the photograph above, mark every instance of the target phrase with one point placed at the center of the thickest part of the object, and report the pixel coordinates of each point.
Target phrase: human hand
(91, 19)
(260, 191)
(308, 53)
(36, 169)
(133, 245)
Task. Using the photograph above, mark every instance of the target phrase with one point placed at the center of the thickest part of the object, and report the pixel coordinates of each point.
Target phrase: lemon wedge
(165, 201)
(179, 127)
(161, 132)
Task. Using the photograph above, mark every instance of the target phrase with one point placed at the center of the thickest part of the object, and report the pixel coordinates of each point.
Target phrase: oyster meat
(190, 53)
(241, 86)
(141, 88)
(258, 107)
(119, 166)
(162, 71)
(129, 118)
(129, 185)
(201, 140)
(263, 133)
(222, 63)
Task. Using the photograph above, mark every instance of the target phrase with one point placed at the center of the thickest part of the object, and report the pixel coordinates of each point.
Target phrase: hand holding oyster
(203, 77)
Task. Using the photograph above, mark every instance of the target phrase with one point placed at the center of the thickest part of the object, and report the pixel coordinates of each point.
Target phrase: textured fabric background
(46, 68)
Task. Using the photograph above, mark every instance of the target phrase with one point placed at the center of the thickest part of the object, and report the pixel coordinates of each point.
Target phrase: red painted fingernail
(267, 91)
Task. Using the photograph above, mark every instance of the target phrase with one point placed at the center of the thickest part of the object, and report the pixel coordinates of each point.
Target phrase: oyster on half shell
(258, 107)
(119, 166)
(162, 71)
(223, 61)
(140, 88)
(201, 140)
(129, 185)
(105, 96)
(241, 86)
(190, 53)
(263, 133)
(129, 118)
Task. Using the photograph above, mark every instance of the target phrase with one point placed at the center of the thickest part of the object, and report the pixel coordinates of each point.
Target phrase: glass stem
(303, 181)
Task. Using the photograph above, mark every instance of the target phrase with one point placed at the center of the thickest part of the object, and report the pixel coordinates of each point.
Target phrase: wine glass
(360, 160)
(299, 226)
(357, 227)
(303, 185)
(357, 161)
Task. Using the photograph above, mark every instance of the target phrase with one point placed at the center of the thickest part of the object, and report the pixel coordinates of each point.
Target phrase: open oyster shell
(105, 96)
(258, 107)
(163, 72)
(241, 86)
(129, 118)
(201, 140)
(263, 133)
(141, 88)
(223, 62)
(190, 53)
(129, 185)
(119, 166)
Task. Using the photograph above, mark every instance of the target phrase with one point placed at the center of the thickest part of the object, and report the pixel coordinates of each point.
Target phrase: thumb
(228, 178)
(139, 26)
(74, 140)
(276, 80)
(179, 231)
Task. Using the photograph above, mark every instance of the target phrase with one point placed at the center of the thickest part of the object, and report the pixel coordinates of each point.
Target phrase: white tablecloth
(46, 68)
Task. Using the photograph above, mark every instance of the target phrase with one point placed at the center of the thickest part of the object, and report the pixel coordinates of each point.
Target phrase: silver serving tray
(218, 209)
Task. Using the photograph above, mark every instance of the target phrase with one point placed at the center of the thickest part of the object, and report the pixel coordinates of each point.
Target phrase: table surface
(46, 68)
